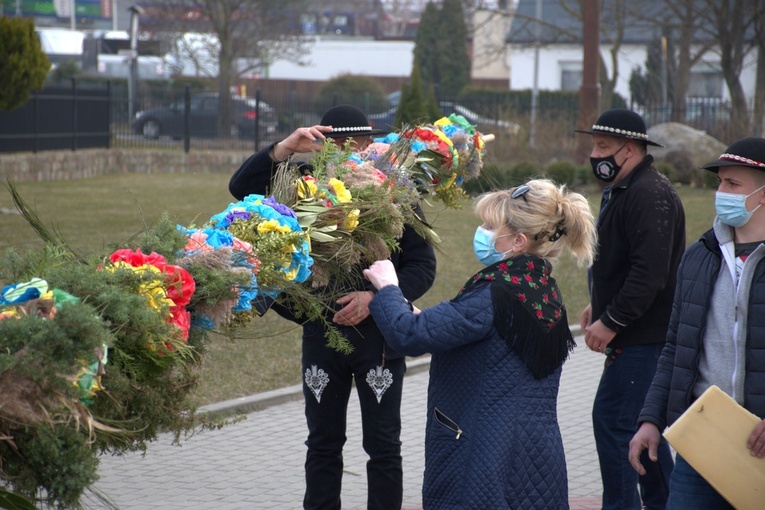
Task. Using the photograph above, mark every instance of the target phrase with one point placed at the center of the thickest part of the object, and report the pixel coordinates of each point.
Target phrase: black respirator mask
(606, 168)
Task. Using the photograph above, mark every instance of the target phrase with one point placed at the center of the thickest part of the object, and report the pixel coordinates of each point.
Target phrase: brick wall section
(83, 164)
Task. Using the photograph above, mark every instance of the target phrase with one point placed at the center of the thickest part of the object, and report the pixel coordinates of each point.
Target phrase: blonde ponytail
(549, 215)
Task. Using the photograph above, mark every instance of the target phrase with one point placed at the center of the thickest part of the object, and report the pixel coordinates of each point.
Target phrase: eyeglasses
(521, 191)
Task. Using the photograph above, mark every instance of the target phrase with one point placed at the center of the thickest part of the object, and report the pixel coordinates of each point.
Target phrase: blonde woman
(492, 438)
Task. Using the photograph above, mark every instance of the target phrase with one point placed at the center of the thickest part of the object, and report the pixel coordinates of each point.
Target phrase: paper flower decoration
(170, 288)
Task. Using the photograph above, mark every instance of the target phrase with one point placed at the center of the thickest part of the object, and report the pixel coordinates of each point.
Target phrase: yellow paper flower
(154, 290)
(352, 220)
(272, 226)
(306, 188)
(451, 180)
(442, 136)
(291, 274)
(341, 192)
(156, 294)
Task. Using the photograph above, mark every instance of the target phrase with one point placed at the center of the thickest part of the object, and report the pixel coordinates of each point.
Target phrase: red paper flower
(179, 284)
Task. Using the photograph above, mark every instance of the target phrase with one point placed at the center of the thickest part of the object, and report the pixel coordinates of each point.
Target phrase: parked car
(170, 120)
(385, 119)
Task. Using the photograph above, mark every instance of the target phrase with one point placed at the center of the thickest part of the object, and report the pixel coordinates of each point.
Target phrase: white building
(560, 52)
(328, 58)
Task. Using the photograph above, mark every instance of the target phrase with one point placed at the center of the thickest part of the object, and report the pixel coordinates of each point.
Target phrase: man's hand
(756, 441)
(356, 308)
(598, 336)
(647, 436)
(304, 139)
(381, 273)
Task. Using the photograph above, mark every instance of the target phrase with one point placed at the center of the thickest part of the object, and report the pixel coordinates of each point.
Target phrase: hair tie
(559, 231)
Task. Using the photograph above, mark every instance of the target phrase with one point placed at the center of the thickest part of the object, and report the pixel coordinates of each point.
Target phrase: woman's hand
(381, 273)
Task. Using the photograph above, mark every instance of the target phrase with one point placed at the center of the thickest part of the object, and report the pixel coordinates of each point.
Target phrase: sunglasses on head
(520, 191)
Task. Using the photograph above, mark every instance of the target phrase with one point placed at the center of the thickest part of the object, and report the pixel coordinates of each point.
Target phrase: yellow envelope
(711, 435)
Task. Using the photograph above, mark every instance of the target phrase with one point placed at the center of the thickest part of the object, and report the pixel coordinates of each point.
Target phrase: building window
(570, 75)
(706, 81)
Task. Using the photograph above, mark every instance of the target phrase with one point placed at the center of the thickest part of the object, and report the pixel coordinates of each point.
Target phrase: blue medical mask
(483, 247)
(731, 208)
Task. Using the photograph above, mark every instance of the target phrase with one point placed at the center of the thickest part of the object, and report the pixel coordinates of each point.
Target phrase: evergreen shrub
(562, 172)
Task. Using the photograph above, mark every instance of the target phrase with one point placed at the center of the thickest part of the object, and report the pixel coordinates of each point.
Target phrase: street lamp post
(135, 13)
(535, 89)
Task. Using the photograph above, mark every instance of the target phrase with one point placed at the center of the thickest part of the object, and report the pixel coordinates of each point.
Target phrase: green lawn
(97, 214)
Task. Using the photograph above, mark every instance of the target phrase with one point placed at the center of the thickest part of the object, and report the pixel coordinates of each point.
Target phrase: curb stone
(260, 401)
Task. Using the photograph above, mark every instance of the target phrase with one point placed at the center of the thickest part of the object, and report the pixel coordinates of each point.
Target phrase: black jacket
(671, 392)
(641, 233)
(415, 262)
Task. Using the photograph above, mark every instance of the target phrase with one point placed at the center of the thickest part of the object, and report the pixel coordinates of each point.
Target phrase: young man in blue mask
(641, 232)
(713, 339)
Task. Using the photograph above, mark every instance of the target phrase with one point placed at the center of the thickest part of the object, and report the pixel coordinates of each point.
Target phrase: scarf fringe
(542, 350)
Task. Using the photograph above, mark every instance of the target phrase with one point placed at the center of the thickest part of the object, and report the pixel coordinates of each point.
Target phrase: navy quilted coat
(671, 391)
(492, 438)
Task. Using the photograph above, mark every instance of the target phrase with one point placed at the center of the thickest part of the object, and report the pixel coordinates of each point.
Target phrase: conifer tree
(441, 48)
(412, 108)
(426, 44)
(23, 65)
(646, 88)
(453, 58)
(431, 105)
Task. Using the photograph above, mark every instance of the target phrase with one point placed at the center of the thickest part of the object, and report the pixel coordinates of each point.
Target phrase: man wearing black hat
(641, 232)
(713, 339)
(378, 371)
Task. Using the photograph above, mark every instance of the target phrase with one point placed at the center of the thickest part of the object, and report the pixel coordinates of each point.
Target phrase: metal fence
(558, 117)
(58, 118)
(185, 119)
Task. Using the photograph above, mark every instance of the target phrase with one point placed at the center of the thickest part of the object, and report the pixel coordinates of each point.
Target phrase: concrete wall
(65, 165)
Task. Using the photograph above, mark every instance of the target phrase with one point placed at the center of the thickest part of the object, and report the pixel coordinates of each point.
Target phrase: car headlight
(138, 115)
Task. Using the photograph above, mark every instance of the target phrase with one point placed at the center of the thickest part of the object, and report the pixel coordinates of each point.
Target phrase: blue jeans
(331, 375)
(689, 491)
(622, 390)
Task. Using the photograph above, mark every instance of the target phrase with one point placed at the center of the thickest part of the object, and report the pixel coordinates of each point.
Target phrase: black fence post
(187, 119)
(74, 114)
(36, 123)
(257, 120)
(109, 114)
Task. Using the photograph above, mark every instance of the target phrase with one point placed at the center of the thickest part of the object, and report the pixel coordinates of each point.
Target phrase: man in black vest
(328, 375)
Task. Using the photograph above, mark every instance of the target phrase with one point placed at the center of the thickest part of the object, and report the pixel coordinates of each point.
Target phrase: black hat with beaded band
(746, 152)
(347, 120)
(621, 123)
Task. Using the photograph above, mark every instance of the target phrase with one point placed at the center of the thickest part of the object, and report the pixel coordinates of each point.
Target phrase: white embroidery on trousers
(379, 380)
(316, 379)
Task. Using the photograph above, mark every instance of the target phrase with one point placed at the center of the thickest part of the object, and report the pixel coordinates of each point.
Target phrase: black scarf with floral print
(528, 311)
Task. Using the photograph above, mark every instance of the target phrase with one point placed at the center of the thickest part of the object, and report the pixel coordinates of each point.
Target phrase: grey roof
(561, 23)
